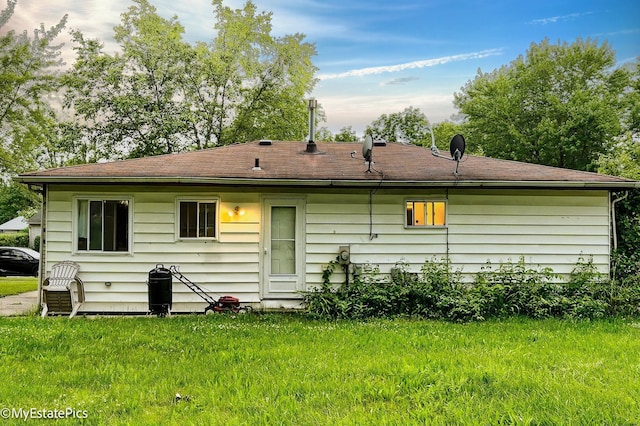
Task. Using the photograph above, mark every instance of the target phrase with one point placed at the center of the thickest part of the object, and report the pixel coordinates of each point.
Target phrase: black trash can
(160, 294)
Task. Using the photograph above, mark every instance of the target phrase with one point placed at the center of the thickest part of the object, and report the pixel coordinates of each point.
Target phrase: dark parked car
(18, 261)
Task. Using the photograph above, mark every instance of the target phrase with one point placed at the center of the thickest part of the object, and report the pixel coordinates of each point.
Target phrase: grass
(17, 285)
(274, 369)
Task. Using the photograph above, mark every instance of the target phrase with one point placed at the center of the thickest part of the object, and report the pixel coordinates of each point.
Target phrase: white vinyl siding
(226, 266)
(551, 228)
(548, 227)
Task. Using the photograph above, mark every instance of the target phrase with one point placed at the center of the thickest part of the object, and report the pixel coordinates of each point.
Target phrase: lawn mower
(223, 304)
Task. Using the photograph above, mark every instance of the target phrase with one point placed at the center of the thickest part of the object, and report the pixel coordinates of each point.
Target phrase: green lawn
(275, 369)
(17, 285)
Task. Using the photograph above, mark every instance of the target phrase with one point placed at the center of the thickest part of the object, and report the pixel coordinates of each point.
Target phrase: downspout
(613, 219)
(43, 242)
(447, 220)
(43, 232)
(614, 231)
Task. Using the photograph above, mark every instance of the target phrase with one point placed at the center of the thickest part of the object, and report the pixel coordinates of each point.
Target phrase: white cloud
(399, 81)
(560, 18)
(359, 111)
(411, 65)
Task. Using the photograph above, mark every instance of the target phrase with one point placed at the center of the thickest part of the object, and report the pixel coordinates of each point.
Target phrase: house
(20, 224)
(261, 220)
(17, 224)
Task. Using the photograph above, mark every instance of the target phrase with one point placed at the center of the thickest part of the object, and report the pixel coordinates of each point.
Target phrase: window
(425, 213)
(103, 225)
(197, 219)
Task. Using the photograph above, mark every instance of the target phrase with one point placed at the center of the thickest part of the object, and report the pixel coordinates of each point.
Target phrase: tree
(15, 200)
(444, 132)
(623, 161)
(324, 134)
(129, 100)
(346, 134)
(631, 100)
(163, 95)
(409, 126)
(27, 77)
(557, 105)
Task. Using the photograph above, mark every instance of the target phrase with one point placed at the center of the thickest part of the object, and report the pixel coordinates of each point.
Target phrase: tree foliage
(557, 105)
(27, 78)
(15, 200)
(443, 133)
(408, 126)
(324, 134)
(162, 94)
(346, 134)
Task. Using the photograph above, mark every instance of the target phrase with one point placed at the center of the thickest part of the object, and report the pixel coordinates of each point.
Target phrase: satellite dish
(367, 148)
(367, 151)
(456, 147)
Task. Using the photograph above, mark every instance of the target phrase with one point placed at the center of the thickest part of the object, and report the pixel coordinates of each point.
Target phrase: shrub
(19, 239)
(516, 289)
(586, 291)
(326, 301)
(437, 292)
(625, 284)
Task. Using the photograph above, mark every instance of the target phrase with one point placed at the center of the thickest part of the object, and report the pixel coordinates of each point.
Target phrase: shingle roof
(16, 224)
(335, 164)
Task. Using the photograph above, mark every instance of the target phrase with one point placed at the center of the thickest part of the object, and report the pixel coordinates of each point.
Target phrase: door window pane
(283, 240)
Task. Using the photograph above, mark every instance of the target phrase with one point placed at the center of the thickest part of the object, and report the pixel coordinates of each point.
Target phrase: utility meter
(344, 258)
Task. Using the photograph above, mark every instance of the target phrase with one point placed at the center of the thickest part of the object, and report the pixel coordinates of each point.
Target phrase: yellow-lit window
(425, 213)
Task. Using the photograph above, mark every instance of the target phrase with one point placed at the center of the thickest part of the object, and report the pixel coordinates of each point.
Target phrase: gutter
(355, 183)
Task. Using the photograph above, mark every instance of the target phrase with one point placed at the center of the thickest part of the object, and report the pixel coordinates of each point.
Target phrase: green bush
(20, 239)
(36, 243)
(510, 289)
(524, 290)
(624, 288)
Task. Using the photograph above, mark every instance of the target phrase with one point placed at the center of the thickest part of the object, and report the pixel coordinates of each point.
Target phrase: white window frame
(198, 200)
(425, 200)
(75, 222)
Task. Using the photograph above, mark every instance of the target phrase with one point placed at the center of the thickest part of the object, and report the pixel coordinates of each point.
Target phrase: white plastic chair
(62, 291)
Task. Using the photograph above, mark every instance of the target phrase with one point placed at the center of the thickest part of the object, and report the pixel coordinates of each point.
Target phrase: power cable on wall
(371, 193)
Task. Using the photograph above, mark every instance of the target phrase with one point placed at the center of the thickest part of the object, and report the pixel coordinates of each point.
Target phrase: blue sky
(378, 57)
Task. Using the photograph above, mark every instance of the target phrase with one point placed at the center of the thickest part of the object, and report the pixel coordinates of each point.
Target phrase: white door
(283, 244)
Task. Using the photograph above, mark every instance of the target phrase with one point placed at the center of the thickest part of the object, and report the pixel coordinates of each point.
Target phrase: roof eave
(325, 182)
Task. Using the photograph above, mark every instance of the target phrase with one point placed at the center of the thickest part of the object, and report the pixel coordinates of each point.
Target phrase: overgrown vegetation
(18, 239)
(509, 289)
(289, 370)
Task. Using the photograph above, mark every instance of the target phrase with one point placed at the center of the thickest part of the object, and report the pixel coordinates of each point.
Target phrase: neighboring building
(14, 225)
(260, 220)
(35, 227)
(20, 224)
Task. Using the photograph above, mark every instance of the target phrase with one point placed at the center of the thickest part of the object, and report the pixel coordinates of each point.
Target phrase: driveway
(19, 304)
